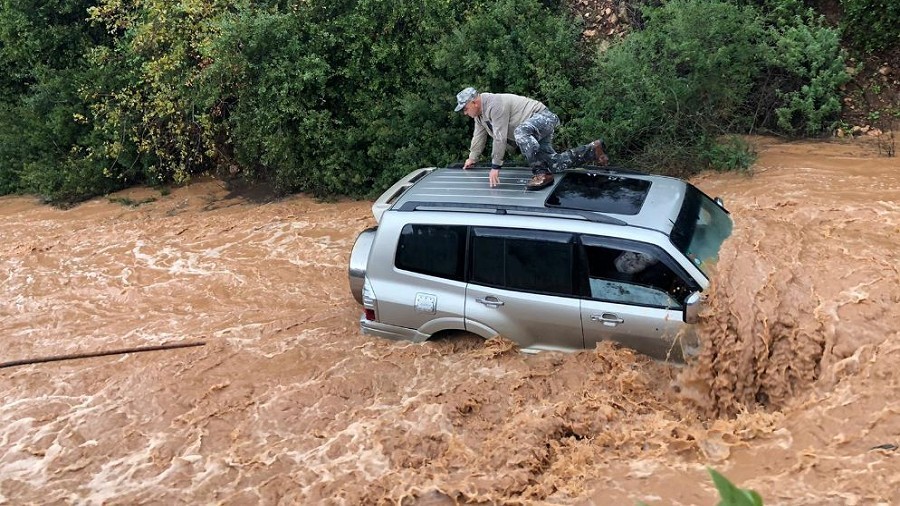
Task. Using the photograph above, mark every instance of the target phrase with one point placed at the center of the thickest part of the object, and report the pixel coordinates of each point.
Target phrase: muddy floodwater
(796, 394)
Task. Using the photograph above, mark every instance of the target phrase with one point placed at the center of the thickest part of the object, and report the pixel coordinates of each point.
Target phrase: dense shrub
(508, 46)
(44, 142)
(343, 97)
(294, 91)
(146, 113)
(659, 94)
(269, 89)
(807, 70)
(872, 24)
(798, 91)
(702, 68)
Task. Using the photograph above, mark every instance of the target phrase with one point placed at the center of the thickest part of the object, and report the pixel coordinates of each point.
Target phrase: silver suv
(599, 255)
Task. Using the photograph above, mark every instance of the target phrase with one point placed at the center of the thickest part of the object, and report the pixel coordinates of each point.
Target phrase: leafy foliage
(148, 118)
(729, 153)
(344, 96)
(731, 495)
(703, 68)
(805, 70)
(356, 92)
(298, 93)
(515, 46)
(660, 93)
(43, 139)
(872, 24)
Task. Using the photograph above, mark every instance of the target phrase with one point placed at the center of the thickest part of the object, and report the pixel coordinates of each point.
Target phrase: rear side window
(435, 250)
(527, 260)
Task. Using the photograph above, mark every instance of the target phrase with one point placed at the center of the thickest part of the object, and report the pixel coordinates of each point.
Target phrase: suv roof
(606, 195)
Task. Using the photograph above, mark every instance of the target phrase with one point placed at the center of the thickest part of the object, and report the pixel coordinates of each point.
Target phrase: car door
(635, 296)
(522, 287)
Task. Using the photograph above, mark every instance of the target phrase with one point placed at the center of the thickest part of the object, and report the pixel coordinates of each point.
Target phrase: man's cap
(464, 97)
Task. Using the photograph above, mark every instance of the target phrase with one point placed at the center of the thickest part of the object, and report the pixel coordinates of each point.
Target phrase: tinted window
(527, 260)
(436, 250)
(632, 274)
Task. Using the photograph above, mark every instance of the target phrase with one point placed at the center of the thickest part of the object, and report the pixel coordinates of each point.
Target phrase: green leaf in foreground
(732, 495)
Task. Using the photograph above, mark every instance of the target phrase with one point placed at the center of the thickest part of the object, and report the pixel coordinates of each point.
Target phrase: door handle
(490, 301)
(608, 319)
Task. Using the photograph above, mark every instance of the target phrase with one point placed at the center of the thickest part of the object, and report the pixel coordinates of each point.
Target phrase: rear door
(636, 296)
(423, 287)
(522, 286)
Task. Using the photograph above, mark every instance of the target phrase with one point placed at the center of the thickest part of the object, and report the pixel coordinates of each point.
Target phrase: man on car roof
(530, 124)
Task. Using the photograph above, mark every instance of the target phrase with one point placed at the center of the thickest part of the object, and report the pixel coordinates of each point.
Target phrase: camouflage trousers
(534, 137)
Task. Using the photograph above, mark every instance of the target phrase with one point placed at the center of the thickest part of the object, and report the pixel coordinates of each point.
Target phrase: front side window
(435, 250)
(627, 273)
(526, 260)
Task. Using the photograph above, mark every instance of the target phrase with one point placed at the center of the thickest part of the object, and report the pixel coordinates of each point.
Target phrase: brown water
(288, 403)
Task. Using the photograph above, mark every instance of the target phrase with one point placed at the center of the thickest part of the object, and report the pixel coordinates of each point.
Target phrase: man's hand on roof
(494, 177)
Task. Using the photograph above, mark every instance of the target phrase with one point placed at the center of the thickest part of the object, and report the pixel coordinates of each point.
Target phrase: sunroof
(603, 193)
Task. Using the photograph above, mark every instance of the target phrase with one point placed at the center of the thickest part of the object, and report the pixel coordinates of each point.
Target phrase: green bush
(51, 145)
(149, 114)
(508, 46)
(805, 70)
(661, 92)
(728, 153)
(44, 139)
(296, 90)
(872, 25)
(264, 86)
(516, 46)
(703, 68)
(343, 97)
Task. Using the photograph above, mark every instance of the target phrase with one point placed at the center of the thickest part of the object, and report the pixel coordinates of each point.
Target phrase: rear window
(602, 193)
(435, 250)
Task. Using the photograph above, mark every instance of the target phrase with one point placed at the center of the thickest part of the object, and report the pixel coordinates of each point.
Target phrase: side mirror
(692, 306)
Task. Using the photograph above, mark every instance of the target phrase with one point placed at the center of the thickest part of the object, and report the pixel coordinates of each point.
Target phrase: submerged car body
(599, 255)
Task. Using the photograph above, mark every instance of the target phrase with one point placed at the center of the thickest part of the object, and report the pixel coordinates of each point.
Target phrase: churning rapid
(795, 395)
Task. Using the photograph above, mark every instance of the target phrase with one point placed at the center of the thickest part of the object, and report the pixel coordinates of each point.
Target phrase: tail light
(369, 302)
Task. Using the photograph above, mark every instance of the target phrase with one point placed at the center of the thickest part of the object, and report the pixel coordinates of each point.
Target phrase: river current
(795, 395)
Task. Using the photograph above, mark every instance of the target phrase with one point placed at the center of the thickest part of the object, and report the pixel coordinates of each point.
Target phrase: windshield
(700, 230)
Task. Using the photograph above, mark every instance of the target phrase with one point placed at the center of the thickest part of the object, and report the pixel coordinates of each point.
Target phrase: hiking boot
(539, 181)
(600, 155)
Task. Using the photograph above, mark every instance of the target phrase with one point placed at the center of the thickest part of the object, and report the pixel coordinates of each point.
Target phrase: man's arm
(499, 118)
(479, 138)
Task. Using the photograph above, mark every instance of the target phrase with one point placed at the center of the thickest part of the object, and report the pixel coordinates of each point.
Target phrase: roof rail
(612, 169)
(509, 209)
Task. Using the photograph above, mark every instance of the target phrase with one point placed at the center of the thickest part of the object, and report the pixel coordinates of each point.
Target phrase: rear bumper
(387, 331)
